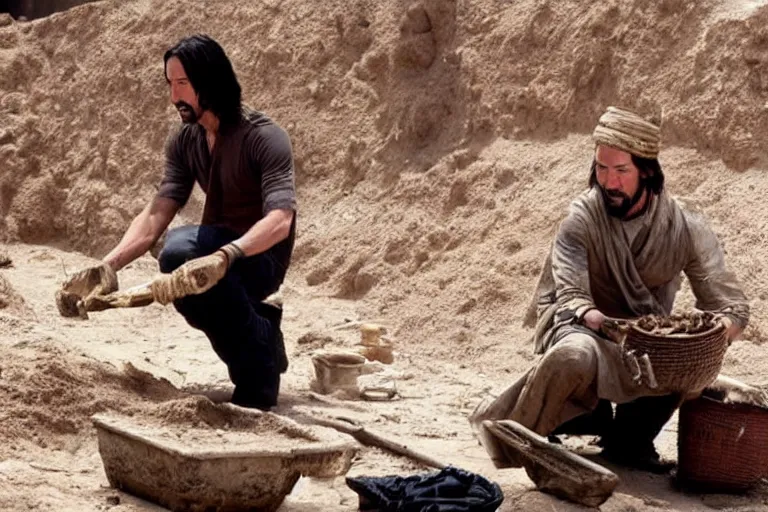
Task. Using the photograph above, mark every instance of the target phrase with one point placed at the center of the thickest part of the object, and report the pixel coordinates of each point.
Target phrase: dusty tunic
(248, 174)
(593, 264)
(625, 270)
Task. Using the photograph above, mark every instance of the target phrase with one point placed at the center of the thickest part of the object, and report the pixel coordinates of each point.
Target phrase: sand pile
(49, 394)
(196, 423)
(10, 301)
(367, 91)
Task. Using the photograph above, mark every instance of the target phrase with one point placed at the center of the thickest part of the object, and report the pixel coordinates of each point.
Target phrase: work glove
(195, 276)
(97, 280)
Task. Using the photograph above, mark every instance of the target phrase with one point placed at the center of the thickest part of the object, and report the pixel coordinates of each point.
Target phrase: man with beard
(619, 253)
(243, 162)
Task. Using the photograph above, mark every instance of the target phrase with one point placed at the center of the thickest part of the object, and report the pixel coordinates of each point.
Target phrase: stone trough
(189, 468)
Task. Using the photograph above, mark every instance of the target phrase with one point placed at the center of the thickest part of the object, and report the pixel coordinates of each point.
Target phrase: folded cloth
(449, 490)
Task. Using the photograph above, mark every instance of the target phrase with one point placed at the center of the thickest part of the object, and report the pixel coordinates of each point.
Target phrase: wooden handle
(369, 438)
(137, 296)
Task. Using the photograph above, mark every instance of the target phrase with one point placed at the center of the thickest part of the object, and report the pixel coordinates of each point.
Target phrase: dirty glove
(97, 280)
(195, 276)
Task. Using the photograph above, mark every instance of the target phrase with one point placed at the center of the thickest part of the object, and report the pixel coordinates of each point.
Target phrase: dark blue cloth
(449, 490)
(244, 332)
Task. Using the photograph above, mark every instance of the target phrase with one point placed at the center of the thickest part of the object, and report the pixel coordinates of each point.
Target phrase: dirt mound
(367, 91)
(10, 300)
(197, 417)
(692, 64)
(48, 393)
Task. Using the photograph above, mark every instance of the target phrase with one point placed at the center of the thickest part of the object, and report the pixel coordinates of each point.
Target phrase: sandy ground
(56, 466)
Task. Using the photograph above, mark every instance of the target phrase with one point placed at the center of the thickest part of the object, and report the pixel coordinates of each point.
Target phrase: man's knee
(205, 311)
(192, 311)
(180, 246)
(574, 355)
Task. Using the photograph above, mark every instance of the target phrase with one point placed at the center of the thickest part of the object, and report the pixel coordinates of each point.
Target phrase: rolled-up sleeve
(271, 151)
(178, 179)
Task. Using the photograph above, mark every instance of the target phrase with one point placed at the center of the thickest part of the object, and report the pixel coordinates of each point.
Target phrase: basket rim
(679, 336)
(733, 406)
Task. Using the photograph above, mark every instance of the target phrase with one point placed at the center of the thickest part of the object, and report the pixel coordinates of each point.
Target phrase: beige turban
(627, 131)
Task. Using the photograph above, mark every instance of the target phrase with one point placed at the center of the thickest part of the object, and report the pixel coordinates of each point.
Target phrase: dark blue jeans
(244, 332)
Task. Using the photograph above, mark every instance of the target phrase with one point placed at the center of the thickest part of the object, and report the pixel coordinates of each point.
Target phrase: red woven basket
(721, 447)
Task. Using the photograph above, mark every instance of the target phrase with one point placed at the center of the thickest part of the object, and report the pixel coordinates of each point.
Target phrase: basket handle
(615, 329)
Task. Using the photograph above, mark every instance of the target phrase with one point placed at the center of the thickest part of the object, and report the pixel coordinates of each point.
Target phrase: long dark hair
(654, 176)
(210, 72)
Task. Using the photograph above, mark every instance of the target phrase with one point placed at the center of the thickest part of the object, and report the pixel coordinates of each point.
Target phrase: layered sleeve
(570, 269)
(715, 287)
(563, 295)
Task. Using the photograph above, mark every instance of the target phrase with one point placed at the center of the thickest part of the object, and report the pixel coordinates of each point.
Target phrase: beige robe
(592, 264)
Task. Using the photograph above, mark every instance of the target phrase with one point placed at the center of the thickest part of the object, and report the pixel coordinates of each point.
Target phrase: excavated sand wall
(437, 142)
(32, 9)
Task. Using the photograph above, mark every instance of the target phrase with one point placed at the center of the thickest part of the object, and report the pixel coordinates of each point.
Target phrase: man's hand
(96, 280)
(594, 319)
(732, 329)
(195, 276)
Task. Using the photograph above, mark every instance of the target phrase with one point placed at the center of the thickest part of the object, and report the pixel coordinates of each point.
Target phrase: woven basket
(681, 362)
(721, 447)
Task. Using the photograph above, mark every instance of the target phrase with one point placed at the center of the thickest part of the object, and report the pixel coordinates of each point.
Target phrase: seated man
(619, 253)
